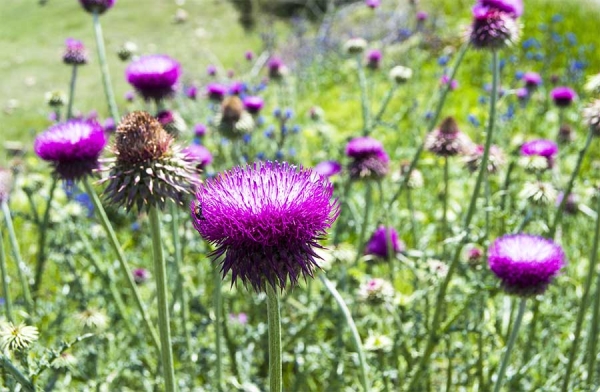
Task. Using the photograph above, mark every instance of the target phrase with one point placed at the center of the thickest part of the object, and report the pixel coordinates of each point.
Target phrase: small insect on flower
(198, 211)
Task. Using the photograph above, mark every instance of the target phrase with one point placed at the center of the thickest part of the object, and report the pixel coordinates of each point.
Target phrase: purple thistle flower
(563, 96)
(540, 147)
(532, 79)
(377, 244)
(97, 6)
(492, 28)
(253, 104)
(109, 125)
(199, 155)
(373, 3)
(328, 168)
(512, 7)
(265, 219)
(369, 158)
(154, 76)
(525, 263)
(75, 53)
(422, 16)
(249, 55)
(277, 68)
(237, 88)
(141, 275)
(374, 59)
(73, 147)
(216, 91)
(211, 70)
(495, 160)
(191, 92)
(129, 96)
(445, 79)
(199, 130)
(522, 94)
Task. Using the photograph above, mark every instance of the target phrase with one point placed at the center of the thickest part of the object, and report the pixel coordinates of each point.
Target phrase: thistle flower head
(355, 46)
(232, 120)
(253, 104)
(563, 96)
(141, 275)
(55, 99)
(265, 220)
(511, 7)
(591, 117)
(540, 147)
(373, 3)
(374, 57)
(198, 154)
(127, 50)
(525, 263)
(17, 337)
(378, 344)
(539, 193)
(400, 74)
(328, 168)
(495, 160)
(73, 148)
(97, 6)
(172, 122)
(6, 182)
(147, 169)
(376, 291)
(191, 92)
(448, 140)
(532, 79)
(154, 76)
(75, 53)
(369, 159)
(216, 91)
(199, 130)
(492, 29)
(378, 243)
(92, 318)
(277, 68)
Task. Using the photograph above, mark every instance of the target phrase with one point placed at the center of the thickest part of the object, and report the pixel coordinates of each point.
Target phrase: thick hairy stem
(274, 322)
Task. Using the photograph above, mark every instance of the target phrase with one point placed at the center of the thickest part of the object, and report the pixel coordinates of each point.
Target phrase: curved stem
(124, 265)
(14, 244)
(72, 92)
(561, 207)
(218, 305)
(433, 335)
(583, 304)
(430, 125)
(364, 380)
(108, 91)
(4, 276)
(510, 345)
(17, 374)
(275, 375)
(41, 255)
(385, 103)
(160, 275)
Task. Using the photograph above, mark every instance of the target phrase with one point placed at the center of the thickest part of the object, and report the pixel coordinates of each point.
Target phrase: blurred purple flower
(154, 76)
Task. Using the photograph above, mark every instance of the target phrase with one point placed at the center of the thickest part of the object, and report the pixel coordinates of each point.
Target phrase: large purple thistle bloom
(265, 219)
(369, 159)
(512, 7)
(563, 96)
(540, 147)
(377, 244)
(97, 6)
(73, 147)
(525, 263)
(154, 76)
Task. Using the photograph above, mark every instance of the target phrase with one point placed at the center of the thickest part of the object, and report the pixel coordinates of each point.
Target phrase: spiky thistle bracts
(148, 169)
(265, 220)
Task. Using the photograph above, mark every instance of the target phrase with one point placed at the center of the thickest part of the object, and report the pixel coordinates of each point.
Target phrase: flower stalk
(274, 322)
(72, 92)
(41, 252)
(108, 91)
(511, 342)
(5, 288)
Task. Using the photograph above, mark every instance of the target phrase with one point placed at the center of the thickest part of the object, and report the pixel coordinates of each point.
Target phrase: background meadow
(429, 316)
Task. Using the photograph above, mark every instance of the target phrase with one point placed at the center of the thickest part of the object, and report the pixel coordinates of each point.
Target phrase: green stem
(72, 92)
(275, 375)
(17, 255)
(433, 337)
(218, 306)
(365, 223)
(124, 265)
(160, 275)
(41, 255)
(180, 276)
(430, 126)
(510, 345)
(445, 201)
(583, 304)
(343, 201)
(108, 91)
(593, 339)
(5, 289)
(364, 380)
(385, 103)
(16, 373)
(561, 207)
(364, 99)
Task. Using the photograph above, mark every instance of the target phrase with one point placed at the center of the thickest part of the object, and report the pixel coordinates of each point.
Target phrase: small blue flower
(482, 100)
(289, 113)
(571, 38)
(277, 113)
(531, 43)
(428, 115)
(260, 156)
(135, 226)
(284, 130)
(519, 75)
(473, 120)
(247, 137)
(292, 151)
(443, 60)
(296, 129)
(279, 155)
(224, 141)
(557, 18)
